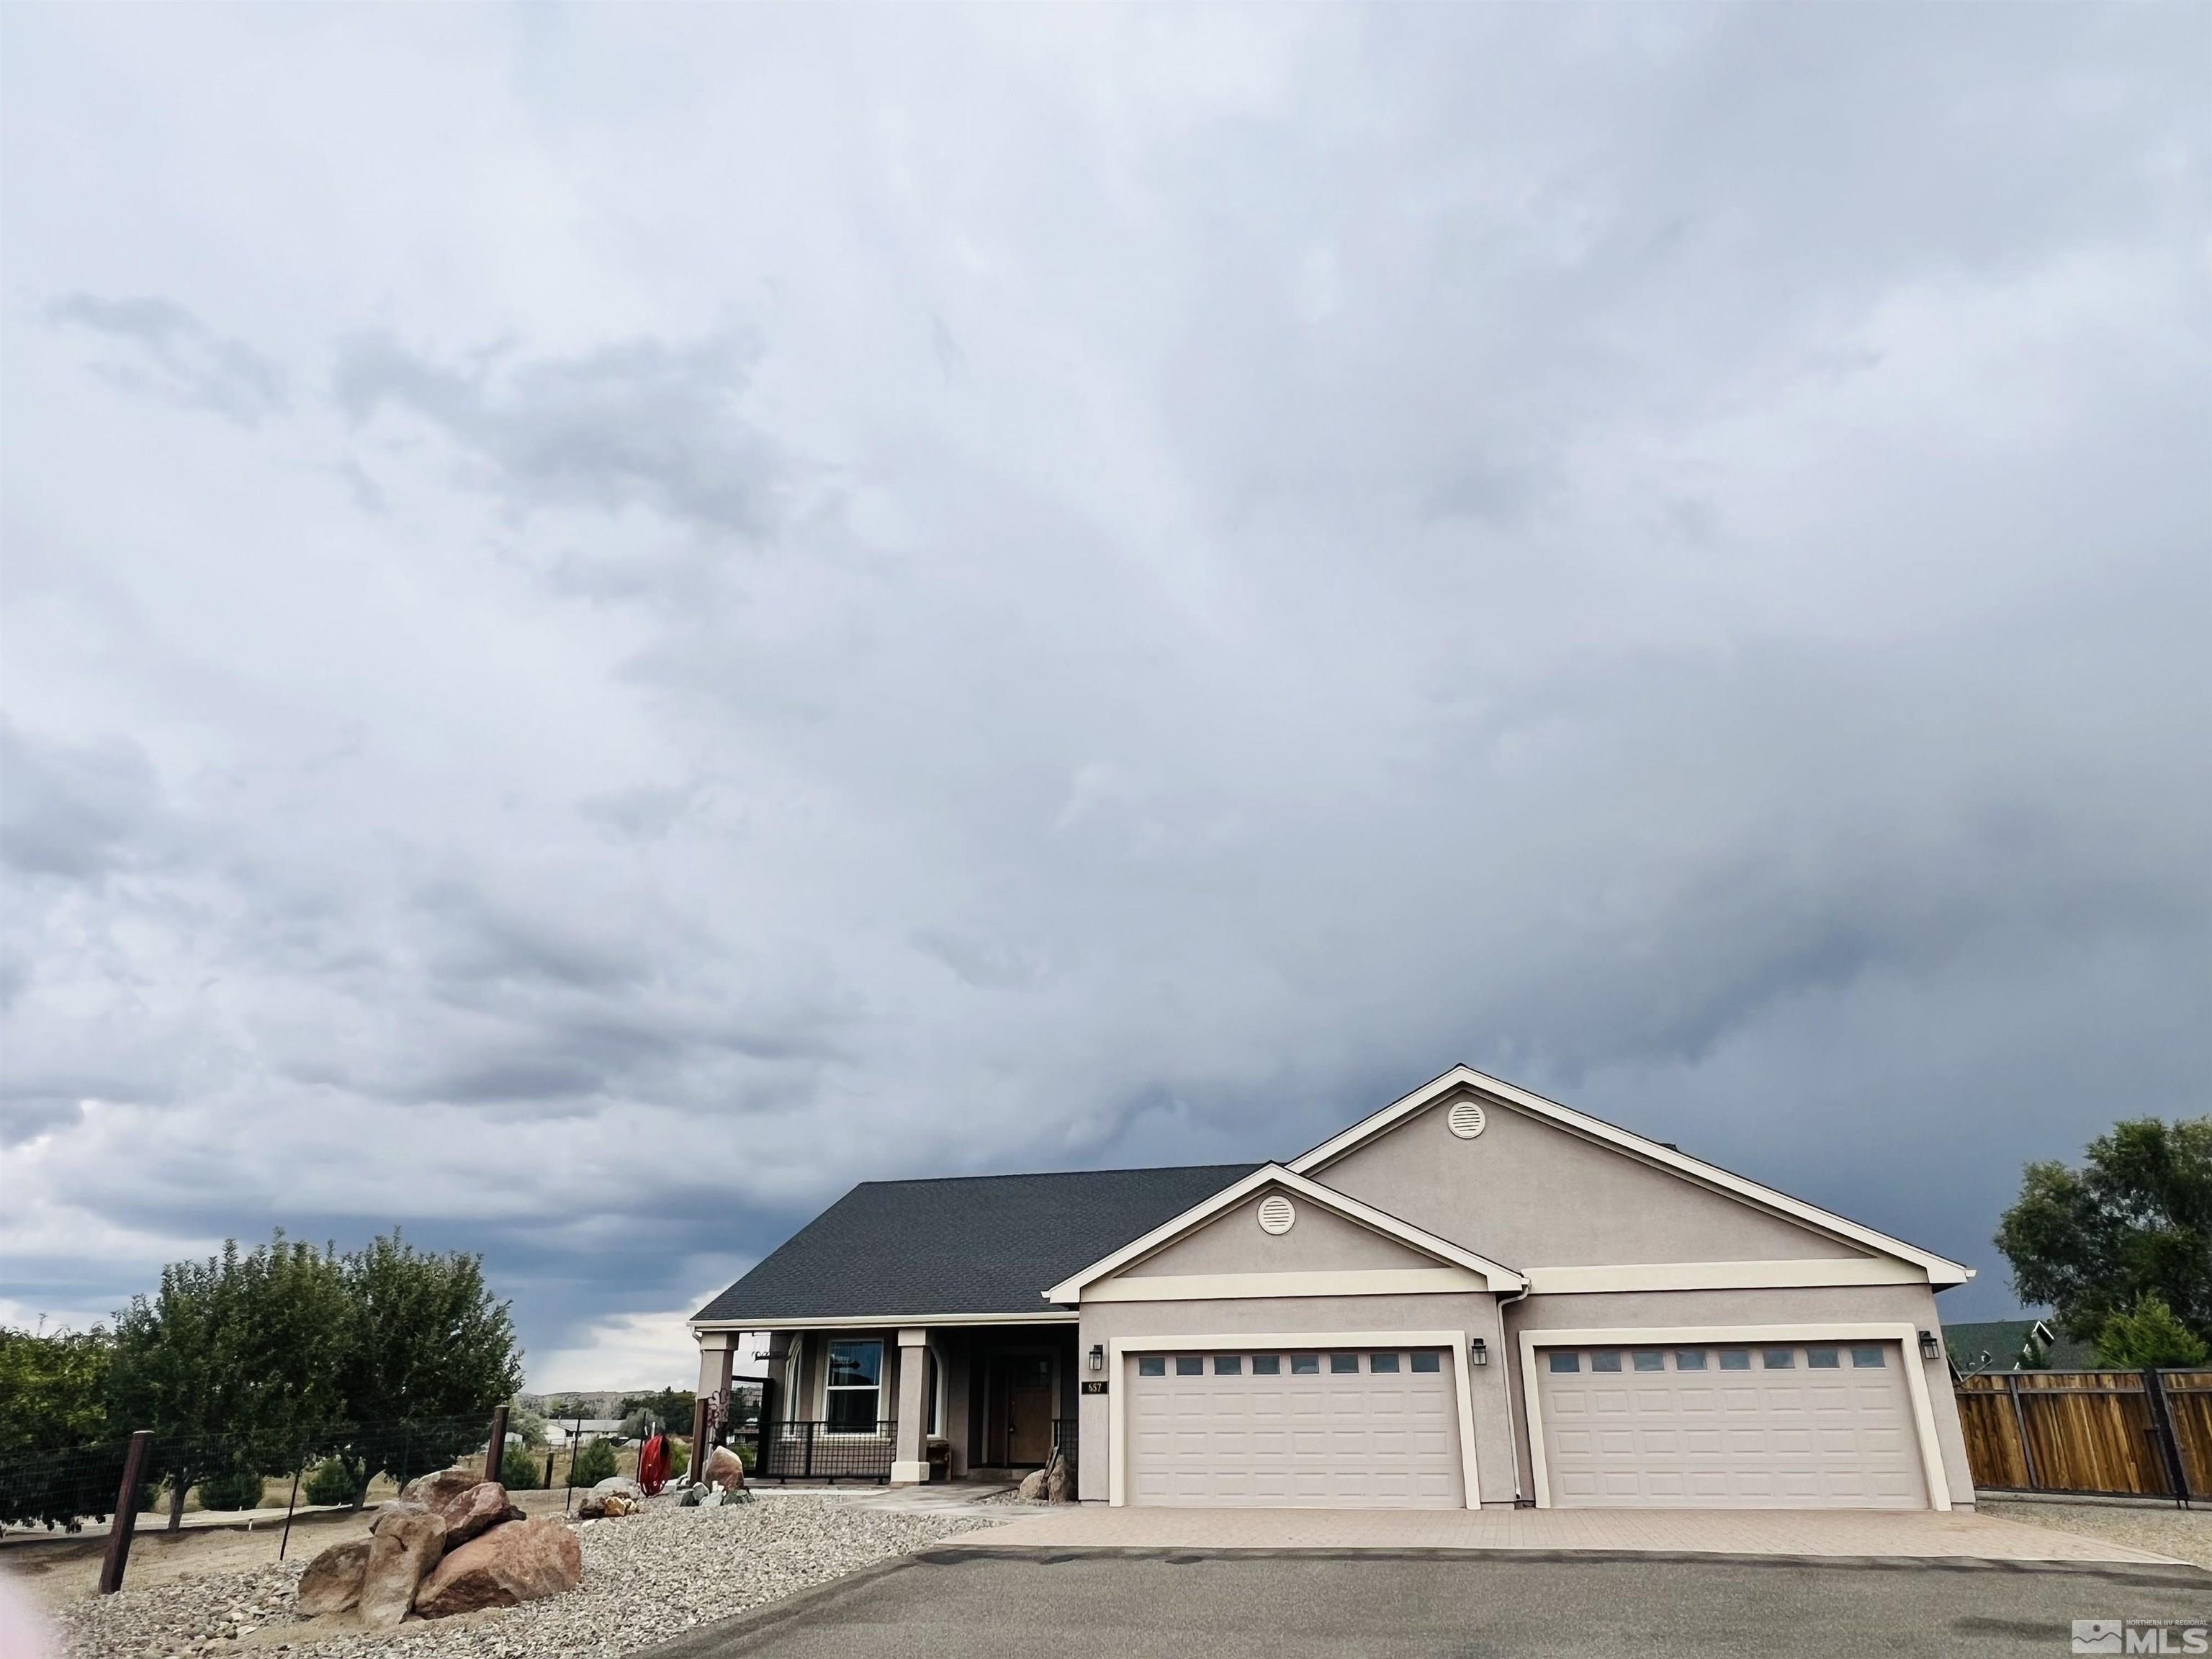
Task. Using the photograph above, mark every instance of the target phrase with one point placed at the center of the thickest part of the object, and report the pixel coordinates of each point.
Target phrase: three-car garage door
(1780, 1426)
(1366, 1429)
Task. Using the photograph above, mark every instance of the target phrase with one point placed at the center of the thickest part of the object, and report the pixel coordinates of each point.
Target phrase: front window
(852, 1397)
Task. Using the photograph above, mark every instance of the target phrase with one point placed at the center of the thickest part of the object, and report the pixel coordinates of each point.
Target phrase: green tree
(670, 1408)
(427, 1344)
(2135, 1221)
(53, 1387)
(594, 1463)
(235, 1362)
(2148, 1335)
(519, 1471)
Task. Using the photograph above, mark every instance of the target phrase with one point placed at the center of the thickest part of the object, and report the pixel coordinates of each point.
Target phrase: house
(2013, 1344)
(1475, 1296)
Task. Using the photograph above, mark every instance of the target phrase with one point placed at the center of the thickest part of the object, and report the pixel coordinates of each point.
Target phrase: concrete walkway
(1960, 1533)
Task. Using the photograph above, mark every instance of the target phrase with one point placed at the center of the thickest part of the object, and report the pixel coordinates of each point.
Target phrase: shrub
(594, 1463)
(237, 1488)
(329, 1482)
(519, 1470)
(2148, 1335)
(679, 1460)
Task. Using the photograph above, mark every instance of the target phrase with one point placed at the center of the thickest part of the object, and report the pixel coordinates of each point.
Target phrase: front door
(1028, 1395)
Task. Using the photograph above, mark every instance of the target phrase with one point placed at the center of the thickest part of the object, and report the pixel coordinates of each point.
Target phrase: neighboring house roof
(1275, 1175)
(2006, 1340)
(1941, 1269)
(974, 1245)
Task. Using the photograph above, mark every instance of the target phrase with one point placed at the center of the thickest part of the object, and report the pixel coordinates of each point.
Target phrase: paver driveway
(957, 1602)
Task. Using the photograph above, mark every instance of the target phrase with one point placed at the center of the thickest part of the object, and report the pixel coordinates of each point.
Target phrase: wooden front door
(1028, 1396)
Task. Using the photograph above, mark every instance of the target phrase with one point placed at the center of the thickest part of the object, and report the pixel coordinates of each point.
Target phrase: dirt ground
(2184, 1534)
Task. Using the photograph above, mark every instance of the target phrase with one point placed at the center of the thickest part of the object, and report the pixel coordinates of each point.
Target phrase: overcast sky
(617, 618)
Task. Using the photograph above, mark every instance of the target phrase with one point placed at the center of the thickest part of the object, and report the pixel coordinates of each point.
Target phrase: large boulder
(725, 1468)
(1032, 1487)
(1056, 1482)
(394, 1507)
(622, 1484)
(441, 1486)
(520, 1562)
(332, 1581)
(475, 1512)
(401, 1553)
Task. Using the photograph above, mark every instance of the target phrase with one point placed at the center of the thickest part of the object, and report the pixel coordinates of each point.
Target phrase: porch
(967, 1400)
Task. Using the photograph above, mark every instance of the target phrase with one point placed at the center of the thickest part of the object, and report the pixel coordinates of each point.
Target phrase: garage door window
(1382, 1362)
(1866, 1359)
(1343, 1364)
(1820, 1359)
(1190, 1364)
(1689, 1359)
(1735, 1359)
(1777, 1359)
(1151, 1366)
(1306, 1365)
(1565, 1362)
(1266, 1365)
(1229, 1365)
(1428, 1361)
(1605, 1362)
(1650, 1359)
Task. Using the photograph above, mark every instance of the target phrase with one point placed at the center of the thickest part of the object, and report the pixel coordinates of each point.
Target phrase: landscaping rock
(521, 1562)
(1032, 1487)
(332, 1581)
(404, 1550)
(395, 1506)
(725, 1468)
(627, 1487)
(475, 1512)
(1056, 1483)
(592, 1509)
(436, 1489)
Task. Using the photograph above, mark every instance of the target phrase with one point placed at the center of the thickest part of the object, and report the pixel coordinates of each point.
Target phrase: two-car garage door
(1785, 1426)
(1358, 1430)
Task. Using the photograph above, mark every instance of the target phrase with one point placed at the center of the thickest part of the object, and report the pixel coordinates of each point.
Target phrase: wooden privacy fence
(2145, 1434)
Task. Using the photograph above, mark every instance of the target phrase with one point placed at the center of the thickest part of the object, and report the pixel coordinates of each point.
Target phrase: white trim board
(1227, 1287)
(1941, 1269)
(1494, 1276)
(1117, 1348)
(1907, 1338)
(1797, 1274)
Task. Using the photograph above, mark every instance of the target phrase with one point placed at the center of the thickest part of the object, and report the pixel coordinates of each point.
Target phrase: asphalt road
(1001, 1604)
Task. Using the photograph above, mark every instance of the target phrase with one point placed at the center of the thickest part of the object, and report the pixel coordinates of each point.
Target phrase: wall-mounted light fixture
(1478, 1351)
(1929, 1347)
(1098, 1356)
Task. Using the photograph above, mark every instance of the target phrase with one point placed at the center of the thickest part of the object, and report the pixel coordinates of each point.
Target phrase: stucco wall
(1474, 1314)
(1530, 1195)
(1317, 1241)
(1908, 1304)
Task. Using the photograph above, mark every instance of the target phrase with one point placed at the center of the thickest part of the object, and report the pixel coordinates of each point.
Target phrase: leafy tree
(235, 1488)
(595, 1462)
(53, 1387)
(529, 1425)
(519, 1470)
(235, 1362)
(670, 1408)
(2135, 1221)
(2148, 1335)
(427, 1343)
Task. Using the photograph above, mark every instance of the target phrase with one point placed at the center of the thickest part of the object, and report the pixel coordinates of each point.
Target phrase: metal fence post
(495, 1449)
(299, 1467)
(2020, 1423)
(126, 1513)
(808, 1467)
(2161, 1423)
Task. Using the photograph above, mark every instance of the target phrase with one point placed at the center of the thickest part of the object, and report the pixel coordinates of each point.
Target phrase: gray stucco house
(1475, 1296)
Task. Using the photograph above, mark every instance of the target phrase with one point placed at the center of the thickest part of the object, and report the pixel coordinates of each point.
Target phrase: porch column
(911, 1457)
(717, 1353)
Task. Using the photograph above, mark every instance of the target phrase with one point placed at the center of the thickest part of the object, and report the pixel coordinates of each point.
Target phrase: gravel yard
(646, 1577)
(2184, 1534)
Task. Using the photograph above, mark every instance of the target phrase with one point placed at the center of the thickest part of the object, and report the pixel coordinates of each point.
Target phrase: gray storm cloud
(710, 604)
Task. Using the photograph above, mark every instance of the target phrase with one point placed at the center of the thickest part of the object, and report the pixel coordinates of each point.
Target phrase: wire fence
(340, 1463)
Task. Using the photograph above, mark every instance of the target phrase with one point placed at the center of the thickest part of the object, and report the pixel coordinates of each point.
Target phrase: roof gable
(1463, 1081)
(1277, 1177)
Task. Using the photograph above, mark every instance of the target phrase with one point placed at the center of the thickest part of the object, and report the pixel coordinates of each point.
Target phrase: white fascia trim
(1905, 1336)
(1811, 1272)
(1942, 1270)
(886, 1321)
(1495, 1276)
(1223, 1287)
(1117, 1430)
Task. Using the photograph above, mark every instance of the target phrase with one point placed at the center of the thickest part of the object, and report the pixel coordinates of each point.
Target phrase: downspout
(1513, 1418)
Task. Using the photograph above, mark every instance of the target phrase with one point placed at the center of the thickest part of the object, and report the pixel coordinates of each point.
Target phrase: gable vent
(1276, 1214)
(1467, 1119)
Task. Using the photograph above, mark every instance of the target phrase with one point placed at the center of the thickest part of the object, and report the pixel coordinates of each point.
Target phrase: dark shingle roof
(970, 1244)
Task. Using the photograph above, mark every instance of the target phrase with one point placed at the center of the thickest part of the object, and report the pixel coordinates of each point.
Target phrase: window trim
(876, 1430)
